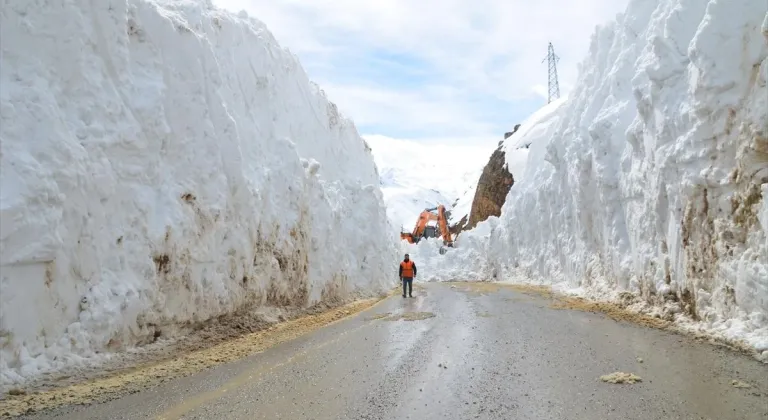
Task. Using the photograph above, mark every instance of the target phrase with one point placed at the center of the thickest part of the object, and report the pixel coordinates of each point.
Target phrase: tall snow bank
(164, 163)
(655, 179)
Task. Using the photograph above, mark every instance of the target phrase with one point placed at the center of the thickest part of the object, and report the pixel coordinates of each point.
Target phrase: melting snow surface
(652, 177)
(163, 164)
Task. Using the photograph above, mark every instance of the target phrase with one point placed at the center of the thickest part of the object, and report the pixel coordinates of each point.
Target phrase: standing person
(407, 273)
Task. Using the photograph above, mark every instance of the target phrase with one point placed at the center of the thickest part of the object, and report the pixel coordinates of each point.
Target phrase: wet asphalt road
(497, 355)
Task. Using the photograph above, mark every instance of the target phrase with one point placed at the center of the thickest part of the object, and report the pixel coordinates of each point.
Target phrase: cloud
(439, 147)
(431, 68)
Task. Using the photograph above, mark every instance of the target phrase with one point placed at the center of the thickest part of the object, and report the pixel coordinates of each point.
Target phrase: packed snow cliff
(652, 177)
(164, 163)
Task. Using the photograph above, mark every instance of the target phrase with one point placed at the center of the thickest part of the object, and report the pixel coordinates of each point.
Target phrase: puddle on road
(409, 316)
(378, 316)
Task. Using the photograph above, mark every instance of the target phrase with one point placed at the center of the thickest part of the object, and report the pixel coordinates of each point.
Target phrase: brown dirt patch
(618, 311)
(614, 311)
(533, 290)
(197, 357)
(611, 310)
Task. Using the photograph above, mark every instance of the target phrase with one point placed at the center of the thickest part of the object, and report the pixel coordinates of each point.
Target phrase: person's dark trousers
(408, 281)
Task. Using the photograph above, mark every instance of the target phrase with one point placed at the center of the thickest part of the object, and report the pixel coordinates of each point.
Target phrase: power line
(553, 84)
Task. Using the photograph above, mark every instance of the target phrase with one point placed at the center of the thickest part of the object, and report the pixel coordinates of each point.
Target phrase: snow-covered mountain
(164, 163)
(652, 177)
(416, 175)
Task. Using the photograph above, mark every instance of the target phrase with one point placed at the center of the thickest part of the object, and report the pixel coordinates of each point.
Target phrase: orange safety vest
(407, 269)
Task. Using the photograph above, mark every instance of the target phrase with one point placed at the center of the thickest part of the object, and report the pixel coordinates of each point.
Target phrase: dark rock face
(459, 226)
(509, 134)
(492, 189)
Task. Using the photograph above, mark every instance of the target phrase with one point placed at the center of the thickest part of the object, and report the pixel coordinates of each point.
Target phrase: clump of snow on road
(654, 177)
(163, 164)
(621, 378)
(417, 175)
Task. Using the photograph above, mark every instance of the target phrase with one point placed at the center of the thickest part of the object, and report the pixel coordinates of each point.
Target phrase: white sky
(447, 69)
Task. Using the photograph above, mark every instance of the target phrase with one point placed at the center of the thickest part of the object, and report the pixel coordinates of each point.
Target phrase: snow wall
(652, 177)
(164, 163)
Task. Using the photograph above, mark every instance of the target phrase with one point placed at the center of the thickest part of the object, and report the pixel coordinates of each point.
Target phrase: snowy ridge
(415, 176)
(540, 126)
(655, 179)
(165, 163)
(534, 126)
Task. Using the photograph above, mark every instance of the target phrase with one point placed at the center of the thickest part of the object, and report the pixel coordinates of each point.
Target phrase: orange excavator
(424, 230)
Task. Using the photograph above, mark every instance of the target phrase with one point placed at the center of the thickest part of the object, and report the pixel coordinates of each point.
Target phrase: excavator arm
(442, 221)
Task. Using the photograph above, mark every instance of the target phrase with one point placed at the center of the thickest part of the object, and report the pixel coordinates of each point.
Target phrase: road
(463, 354)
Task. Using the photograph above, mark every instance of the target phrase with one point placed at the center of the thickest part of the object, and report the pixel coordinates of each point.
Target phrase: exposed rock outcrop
(458, 227)
(508, 134)
(492, 189)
